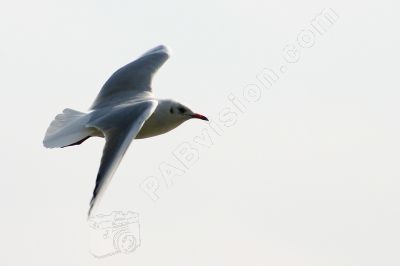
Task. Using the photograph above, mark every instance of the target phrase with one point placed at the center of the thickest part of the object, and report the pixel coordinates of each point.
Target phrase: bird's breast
(156, 125)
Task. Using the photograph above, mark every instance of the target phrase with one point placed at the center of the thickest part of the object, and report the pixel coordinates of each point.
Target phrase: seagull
(125, 109)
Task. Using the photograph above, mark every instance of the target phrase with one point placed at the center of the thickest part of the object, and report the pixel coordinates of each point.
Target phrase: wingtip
(164, 48)
(89, 213)
(91, 206)
(47, 145)
(159, 49)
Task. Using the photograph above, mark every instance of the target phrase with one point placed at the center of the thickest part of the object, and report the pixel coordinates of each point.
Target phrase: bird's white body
(158, 123)
(125, 109)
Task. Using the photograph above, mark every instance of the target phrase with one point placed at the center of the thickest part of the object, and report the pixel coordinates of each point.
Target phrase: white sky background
(308, 175)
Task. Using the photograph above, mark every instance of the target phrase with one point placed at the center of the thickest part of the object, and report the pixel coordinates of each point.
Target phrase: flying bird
(125, 109)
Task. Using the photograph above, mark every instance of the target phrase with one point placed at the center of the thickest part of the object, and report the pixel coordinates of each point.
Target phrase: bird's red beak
(199, 116)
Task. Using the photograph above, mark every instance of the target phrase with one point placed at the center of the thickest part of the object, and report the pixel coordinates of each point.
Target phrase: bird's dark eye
(171, 110)
(181, 110)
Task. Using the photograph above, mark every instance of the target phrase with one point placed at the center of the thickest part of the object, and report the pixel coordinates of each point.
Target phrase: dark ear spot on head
(171, 110)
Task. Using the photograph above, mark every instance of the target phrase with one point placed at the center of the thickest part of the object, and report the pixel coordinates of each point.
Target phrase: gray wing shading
(132, 79)
(119, 129)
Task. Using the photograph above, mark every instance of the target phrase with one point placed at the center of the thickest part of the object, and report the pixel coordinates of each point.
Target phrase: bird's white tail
(67, 128)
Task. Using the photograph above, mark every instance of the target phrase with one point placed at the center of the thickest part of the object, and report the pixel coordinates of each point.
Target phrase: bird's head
(181, 112)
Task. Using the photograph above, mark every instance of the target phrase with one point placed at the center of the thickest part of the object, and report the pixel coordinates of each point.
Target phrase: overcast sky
(300, 165)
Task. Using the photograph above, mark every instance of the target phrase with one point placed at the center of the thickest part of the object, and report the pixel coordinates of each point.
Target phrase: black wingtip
(159, 49)
(89, 214)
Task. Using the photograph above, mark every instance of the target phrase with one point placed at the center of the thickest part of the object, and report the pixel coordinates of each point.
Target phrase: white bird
(124, 109)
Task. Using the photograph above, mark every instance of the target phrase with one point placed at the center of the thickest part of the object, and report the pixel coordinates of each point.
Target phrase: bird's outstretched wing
(132, 79)
(119, 129)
